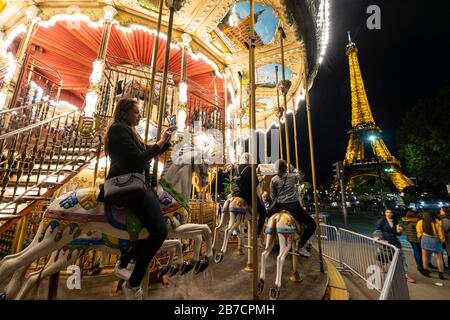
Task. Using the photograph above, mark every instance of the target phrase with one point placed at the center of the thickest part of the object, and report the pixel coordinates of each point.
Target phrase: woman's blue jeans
(417, 254)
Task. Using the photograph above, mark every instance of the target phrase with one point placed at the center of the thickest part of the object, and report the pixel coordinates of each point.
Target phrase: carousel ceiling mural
(233, 32)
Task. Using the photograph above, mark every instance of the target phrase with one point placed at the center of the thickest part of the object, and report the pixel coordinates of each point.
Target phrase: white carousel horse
(78, 212)
(288, 230)
(238, 213)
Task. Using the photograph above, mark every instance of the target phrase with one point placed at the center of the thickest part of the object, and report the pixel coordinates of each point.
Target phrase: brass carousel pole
(216, 198)
(152, 81)
(253, 153)
(241, 113)
(11, 87)
(249, 265)
(313, 167)
(279, 113)
(284, 86)
(173, 6)
(294, 113)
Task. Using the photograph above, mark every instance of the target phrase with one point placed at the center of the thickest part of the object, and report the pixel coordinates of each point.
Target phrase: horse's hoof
(186, 267)
(162, 271)
(218, 257)
(201, 265)
(274, 293)
(206, 262)
(197, 267)
(2, 296)
(260, 286)
(173, 270)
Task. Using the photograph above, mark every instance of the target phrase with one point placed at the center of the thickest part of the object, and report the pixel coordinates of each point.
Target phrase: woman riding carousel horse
(283, 189)
(242, 187)
(129, 154)
(237, 207)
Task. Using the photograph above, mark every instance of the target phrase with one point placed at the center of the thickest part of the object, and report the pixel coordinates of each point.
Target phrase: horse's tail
(274, 230)
(120, 87)
(275, 221)
(166, 166)
(226, 211)
(223, 219)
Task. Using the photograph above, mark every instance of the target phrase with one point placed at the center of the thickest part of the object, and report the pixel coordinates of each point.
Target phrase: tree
(424, 144)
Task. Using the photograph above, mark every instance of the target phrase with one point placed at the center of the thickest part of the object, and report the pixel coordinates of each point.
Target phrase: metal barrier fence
(331, 244)
(395, 288)
(378, 263)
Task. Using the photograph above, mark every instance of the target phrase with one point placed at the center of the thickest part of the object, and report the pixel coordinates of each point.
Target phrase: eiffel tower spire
(361, 113)
(364, 129)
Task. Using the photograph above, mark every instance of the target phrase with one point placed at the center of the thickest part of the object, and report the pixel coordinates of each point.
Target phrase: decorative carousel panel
(233, 31)
(151, 5)
(264, 104)
(266, 75)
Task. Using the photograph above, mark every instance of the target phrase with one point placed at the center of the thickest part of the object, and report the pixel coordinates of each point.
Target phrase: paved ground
(424, 288)
(427, 288)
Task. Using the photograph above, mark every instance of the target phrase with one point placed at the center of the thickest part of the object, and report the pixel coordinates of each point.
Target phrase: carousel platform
(224, 281)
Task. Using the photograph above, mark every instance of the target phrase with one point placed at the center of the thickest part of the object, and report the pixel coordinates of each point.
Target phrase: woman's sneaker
(303, 252)
(441, 276)
(122, 273)
(132, 293)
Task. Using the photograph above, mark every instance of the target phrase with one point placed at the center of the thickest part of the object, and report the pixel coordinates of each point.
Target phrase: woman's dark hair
(124, 105)
(428, 220)
(282, 166)
(394, 218)
(446, 212)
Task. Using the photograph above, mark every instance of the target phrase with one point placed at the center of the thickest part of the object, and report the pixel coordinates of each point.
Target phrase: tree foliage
(424, 141)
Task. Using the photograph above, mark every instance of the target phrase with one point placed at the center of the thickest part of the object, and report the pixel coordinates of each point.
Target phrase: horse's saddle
(124, 219)
(238, 206)
(291, 225)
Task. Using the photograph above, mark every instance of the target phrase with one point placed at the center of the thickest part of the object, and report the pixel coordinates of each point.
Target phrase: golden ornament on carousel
(87, 127)
(3, 5)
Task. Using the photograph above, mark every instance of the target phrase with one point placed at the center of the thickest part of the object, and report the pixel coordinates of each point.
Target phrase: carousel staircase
(41, 150)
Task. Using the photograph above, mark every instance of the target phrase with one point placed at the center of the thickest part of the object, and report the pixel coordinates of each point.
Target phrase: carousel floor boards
(224, 281)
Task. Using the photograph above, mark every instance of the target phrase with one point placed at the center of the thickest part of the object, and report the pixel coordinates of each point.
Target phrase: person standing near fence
(431, 235)
(410, 222)
(445, 222)
(390, 229)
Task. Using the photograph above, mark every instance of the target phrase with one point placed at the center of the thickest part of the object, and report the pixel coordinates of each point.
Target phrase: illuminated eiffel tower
(357, 164)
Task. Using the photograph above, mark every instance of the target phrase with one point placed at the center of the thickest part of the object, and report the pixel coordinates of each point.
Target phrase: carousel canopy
(69, 36)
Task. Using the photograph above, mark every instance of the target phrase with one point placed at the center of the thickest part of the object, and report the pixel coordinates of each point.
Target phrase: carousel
(226, 73)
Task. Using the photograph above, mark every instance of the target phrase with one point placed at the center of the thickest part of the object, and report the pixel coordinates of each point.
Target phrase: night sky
(405, 61)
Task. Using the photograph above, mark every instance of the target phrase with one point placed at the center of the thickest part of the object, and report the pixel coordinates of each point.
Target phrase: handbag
(126, 183)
